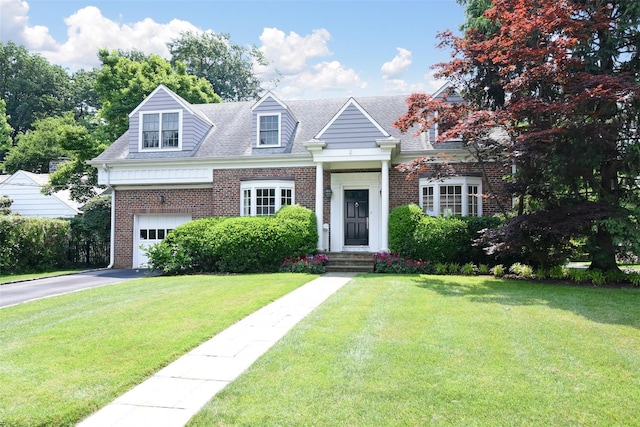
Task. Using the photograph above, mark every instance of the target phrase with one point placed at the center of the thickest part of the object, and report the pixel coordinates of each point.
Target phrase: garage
(152, 229)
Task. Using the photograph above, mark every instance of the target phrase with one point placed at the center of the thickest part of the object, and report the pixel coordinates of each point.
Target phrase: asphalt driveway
(16, 293)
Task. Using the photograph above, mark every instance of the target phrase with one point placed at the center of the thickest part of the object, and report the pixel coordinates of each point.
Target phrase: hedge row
(32, 244)
(416, 235)
(238, 244)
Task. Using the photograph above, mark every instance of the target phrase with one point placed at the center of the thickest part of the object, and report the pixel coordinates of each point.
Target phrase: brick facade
(224, 198)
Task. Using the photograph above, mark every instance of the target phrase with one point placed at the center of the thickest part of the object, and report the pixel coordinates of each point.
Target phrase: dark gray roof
(231, 135)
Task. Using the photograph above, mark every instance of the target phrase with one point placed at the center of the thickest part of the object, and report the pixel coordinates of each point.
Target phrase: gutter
(112, 242)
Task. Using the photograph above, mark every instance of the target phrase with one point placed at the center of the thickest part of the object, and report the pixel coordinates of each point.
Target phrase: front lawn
(64, 357)
(454, 351)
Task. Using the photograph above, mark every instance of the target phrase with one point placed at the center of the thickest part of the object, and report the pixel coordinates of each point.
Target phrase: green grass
(6, 278)
(64, 357)
(448, 351)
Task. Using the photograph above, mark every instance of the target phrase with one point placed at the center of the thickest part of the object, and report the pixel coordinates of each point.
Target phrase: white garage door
(152, 229)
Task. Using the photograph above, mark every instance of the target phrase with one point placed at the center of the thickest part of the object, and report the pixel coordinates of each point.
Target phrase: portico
(359, 195)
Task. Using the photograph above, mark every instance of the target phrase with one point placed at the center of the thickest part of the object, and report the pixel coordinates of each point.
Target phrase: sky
(322, 49)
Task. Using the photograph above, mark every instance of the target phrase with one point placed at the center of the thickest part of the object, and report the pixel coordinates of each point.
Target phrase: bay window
(259, 198)
(451, 196)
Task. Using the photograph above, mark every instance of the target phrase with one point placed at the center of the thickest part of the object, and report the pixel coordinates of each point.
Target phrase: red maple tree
(560, 79)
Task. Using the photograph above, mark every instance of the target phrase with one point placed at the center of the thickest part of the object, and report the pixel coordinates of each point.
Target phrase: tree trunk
(603, 252)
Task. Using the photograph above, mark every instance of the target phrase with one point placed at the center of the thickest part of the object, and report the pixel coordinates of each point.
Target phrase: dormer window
(161, 131)
(269, 130)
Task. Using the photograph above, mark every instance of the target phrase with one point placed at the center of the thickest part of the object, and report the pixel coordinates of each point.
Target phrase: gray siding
(194, 129)
(352, 130)
(287, 123)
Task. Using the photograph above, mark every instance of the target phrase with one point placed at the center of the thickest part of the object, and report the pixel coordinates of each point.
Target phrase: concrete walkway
(177, 392)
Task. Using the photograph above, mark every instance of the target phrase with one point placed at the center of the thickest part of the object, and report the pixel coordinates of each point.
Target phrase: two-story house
(180, 161)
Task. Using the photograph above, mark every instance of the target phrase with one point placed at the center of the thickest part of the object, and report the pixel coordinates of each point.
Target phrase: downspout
(112, 242)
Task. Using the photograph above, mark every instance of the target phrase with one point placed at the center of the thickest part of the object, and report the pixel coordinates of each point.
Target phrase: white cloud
(14, 26)
(87, 32)
(290, 53)
(293, 57)
(398, 65)
(322, 77)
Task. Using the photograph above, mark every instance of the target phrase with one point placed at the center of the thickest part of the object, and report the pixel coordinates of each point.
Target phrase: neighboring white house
(24, 189)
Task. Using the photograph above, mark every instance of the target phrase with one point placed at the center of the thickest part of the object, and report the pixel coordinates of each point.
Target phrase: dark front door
(356, 217)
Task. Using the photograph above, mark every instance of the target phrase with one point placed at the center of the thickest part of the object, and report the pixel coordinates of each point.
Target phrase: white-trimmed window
(269, 130)
(259, 198)
(451, 196)
(161, 130)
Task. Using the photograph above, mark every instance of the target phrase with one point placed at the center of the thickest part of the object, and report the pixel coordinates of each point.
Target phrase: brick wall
(224, 198)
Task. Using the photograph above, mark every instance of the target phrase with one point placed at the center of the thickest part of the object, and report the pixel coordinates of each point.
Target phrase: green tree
(5, 205)
(227, 66)
(5, 129)
(127, 78)
(84, 97)
(82, 140)
(32, 88)
(37, 147)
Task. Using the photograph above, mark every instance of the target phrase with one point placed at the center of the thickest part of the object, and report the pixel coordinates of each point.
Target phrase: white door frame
(355, 181)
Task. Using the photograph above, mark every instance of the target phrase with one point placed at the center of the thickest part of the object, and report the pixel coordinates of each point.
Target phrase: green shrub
(238, 244)
(615, 276)
(297, 230)
(440, 239)
(521, 270)
(403, 221)
(440, 268)
(558, 272)
(596, 277)
(32, 244)
(186, 249)
(483, 269)
(498, 270)
(578, 275)
(541, 273)
(468, 269)
(634, 278)
(453, 268)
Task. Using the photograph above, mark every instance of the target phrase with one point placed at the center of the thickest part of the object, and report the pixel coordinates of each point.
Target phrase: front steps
(350, 262)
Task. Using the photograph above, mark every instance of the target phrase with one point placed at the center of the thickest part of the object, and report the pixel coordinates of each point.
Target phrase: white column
(384, 243)
(319, 202)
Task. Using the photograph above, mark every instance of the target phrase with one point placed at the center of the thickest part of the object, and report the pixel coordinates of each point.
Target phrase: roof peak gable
(177, 98)
(351, 102)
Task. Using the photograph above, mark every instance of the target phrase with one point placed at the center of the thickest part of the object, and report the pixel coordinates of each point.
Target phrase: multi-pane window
(265, 201)
(150, 130)
(269, 130)
(265, 197)
(286, 197)
(170, 128)
(427, 200)
(160, 130)
(474, 197)
(246, 202)
(453, 196)
(450, 200)
(153, 233)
